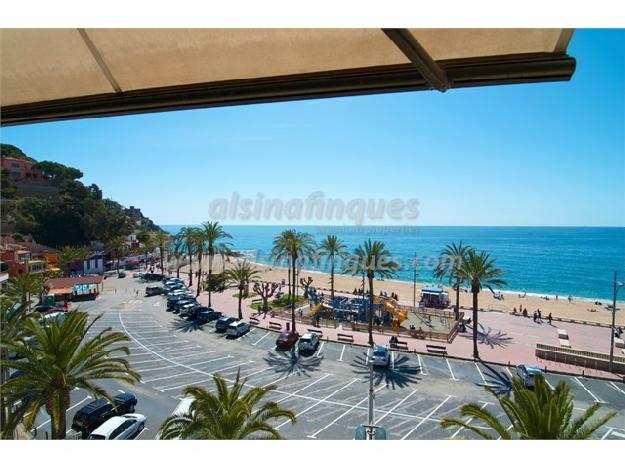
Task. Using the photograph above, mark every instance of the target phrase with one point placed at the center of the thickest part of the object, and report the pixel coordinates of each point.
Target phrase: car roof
(378, 348)
(109, 426)
(126, 396)
(93, 406)
(307, 336)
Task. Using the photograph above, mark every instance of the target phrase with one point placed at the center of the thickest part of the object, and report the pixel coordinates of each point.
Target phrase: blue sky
(541, 154)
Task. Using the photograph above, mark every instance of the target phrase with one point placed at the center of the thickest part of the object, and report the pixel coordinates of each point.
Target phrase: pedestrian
(535, 317)
(539, 314)
(549, 318)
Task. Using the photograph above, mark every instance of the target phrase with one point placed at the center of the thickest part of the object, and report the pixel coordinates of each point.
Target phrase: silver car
(527, 373)
(236, 329)
(308, 342)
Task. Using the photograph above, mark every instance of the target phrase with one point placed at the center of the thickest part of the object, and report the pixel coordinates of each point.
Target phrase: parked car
(183, 302)
(204, 314)
(121, 274)
(236, 329)
(187, 309)
(95, 413)
(527, 373)
(223, 323)
(46, 309)
(137, 275)
(120, 427)
(308, 342)
(154, 291)
(287, 340)
(172, 301)
(110, 273)
(381, 356)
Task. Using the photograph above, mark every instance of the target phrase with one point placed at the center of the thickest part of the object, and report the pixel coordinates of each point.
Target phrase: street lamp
(617, 286)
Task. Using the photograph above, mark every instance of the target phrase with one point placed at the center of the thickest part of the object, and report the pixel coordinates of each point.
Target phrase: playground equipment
(396, 312)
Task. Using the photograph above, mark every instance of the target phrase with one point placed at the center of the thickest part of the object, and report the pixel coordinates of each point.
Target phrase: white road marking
(168, 377)
(508, 429)
(395, 407)
(320, 349)
(620, 435)
(368, 351)
(422, 368)
(176, 365)
(508, 371)
(468, 421)
(617, 388)
(393, 360)
(606, 434)
(453, 377)
(589, 392)
(341, 356)
(351, 408)
(480, 371)
(165, 389)
(88, 397)
(314, 405)
(261, 339)
(301, 389)
(427, 417)
(257, 372)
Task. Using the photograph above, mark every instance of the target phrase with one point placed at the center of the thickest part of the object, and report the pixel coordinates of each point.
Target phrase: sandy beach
(577, 309)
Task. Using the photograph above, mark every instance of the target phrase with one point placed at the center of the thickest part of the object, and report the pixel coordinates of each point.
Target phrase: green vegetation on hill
(11, 151)
(76, 215)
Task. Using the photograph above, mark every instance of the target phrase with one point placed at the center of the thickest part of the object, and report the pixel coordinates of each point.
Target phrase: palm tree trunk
(199, 276)
(332, 279)
(178, 271)
(289, 281)
(118, 265)
(240, 299)
(293, 297)
(371, 311)
(58, 425)
(161, 248)
(190, 268)
(457, 299)
(475, 351)
(210, 277)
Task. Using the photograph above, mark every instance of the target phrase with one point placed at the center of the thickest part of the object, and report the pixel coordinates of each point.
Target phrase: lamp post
(617, 286)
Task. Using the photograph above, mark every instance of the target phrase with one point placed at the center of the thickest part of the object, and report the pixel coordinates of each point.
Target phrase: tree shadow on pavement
(292, 363)
(498, 381)
(398, 375)
(489, 337)
(186, 326)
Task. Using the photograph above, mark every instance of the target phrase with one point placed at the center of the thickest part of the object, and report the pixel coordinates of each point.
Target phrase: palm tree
(161, 239)
(240, 276)
(117, 248)
(372, 258)
(188, 237)
(177, 251)
(228, 414)
(200, 248)
(449, 266)
(539, 413)
(292, 245)
(21, 288)
(59, 358)
(478, 269)
(213, 233)
(70, 254)
(333, 247)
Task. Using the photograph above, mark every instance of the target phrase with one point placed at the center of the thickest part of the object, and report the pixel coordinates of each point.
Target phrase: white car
(381, 356)
(527, 373)
(236, 329)
(308, 342)
(120, 427)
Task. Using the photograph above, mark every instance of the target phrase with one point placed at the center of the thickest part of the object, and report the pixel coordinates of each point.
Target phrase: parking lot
(326, 390)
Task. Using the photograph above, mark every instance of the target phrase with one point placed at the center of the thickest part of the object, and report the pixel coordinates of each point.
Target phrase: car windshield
(304, 340)
(96, 437)
(379, 352)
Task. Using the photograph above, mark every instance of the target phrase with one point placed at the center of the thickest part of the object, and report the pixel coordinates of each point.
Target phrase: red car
(287, 340)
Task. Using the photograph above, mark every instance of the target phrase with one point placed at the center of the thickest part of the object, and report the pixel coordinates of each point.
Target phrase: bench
(344, 337)
(254, 321)
(619, 343)
(565, 343)
(403, 345)
(562, 334)
(257, 301)
(434, 349)
(275, 325)
(314, 330)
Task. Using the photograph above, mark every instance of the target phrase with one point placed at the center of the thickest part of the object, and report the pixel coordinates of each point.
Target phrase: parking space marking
(607, 433)
(88, 397)
(617, 388)
(392, 360)
(314, 405)
(349, 410)
(507, 430)
(176, 365)
(468, 421)
(395, 407)
(453, 377)
(480, 372)
(257, 372)
(261, 338)
(430, 414)
(615, 433)
(422, 368)
(168, 377)
(341, 356)
(165, 389)
(301, 389)
(320, 349)
(508, 371)
(597, 400)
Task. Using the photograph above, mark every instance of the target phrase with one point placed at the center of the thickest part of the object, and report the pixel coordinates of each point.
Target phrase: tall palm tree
(70, 254)
(21, 288)
(373, 259)
(213, 233)
(161, 240)
(228, 414)
(292, 245)
(188, 237)
(539, 413)
(117, 248)
(177, 251)
(479, 270)
(59, 358)
(333, 247)
(200, 248)
(449, 266)
(240, 276)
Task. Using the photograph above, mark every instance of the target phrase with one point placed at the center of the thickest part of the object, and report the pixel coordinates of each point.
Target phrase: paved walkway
(503, 338)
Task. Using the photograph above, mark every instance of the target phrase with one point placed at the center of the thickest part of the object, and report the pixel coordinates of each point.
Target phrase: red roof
(63, 283)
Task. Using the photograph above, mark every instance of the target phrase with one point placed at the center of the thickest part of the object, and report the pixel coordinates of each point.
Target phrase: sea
(575, 261)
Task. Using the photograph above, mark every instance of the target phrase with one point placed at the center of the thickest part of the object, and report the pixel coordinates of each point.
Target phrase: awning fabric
(52, 74)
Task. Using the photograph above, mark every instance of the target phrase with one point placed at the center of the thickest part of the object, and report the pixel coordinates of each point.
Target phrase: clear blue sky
(538, 154)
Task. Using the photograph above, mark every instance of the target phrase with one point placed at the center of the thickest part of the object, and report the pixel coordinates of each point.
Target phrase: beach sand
(577, 309)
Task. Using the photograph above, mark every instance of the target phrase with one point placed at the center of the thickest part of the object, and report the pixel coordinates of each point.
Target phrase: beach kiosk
(435, 298)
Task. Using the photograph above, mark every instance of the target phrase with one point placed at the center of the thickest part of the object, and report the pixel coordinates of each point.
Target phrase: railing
(579, 357)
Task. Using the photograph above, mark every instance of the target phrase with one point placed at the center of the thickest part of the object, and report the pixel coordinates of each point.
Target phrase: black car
(222, 324)
(92, 415)
(187, 309)
(153, 291)
(204, 314)
(172, 301)
(178, 306)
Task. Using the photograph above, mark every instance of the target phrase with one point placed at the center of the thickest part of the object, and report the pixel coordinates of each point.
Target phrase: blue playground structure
(342, 308)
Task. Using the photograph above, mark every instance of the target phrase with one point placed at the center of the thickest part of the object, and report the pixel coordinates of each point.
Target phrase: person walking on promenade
(549, 318)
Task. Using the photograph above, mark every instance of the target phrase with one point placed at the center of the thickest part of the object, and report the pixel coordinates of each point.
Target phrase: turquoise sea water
(542, 260)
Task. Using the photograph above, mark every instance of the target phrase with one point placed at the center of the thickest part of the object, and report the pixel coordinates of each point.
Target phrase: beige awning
(51, 74)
